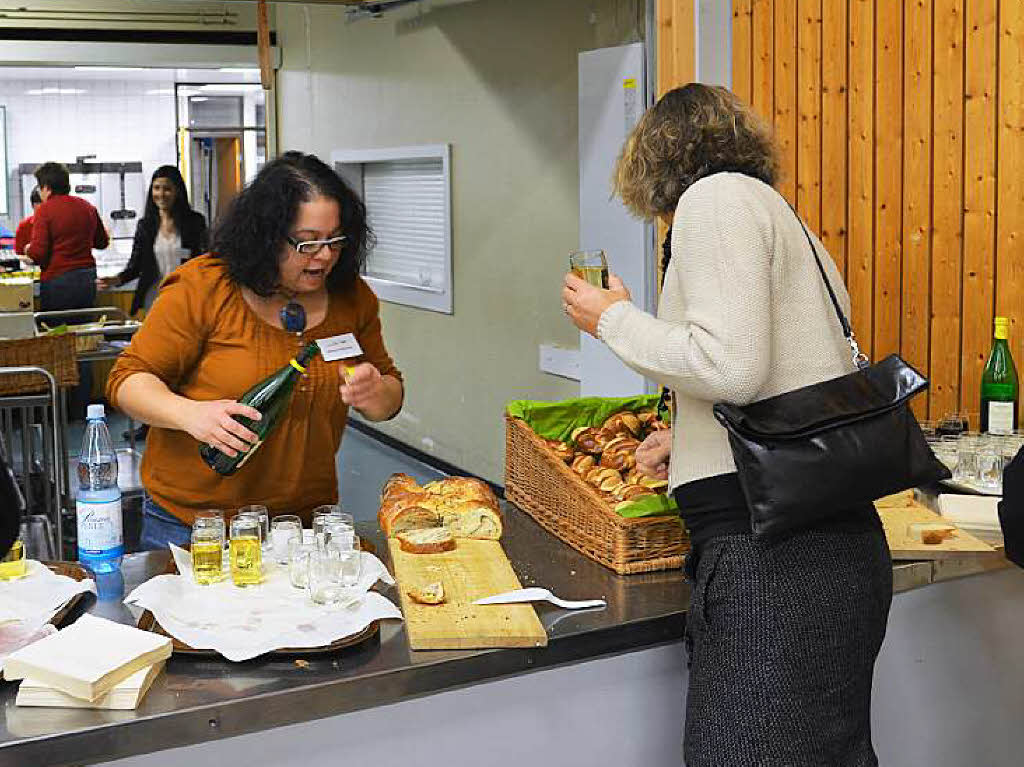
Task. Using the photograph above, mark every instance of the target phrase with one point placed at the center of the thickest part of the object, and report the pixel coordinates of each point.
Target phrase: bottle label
(99, 526)
(1000, 418)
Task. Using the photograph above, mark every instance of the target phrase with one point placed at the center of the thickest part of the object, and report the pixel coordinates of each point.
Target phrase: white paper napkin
(243, 623)
(29, 603)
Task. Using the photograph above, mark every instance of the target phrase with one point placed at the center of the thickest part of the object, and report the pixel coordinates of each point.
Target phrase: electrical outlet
(559, 361)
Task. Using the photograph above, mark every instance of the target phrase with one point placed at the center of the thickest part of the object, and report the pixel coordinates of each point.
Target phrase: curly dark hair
(179, 211)
(253, 231)
(692, 132)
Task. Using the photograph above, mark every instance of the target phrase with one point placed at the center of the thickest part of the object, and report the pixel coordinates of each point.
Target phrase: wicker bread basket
(55, 353)
(540, 483)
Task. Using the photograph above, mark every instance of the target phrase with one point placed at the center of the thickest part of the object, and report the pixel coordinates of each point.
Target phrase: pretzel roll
(561, 449)
(622, 423)
(583, 463)
(590, 440)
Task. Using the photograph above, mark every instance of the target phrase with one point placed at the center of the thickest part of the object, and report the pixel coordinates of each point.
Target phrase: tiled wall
(116, 120)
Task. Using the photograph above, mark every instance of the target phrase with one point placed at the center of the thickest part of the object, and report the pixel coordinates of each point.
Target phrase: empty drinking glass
(283, 528)
(299, 552)
(967, 462)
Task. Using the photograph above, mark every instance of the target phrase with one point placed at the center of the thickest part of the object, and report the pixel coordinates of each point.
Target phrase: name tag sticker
(341, 347)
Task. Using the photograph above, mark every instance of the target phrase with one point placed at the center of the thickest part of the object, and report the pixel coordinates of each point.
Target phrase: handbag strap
(859, 358)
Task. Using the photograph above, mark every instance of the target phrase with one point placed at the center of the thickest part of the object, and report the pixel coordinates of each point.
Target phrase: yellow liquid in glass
(13, 564)
(246, 561)
(208, 561)
(595, 275)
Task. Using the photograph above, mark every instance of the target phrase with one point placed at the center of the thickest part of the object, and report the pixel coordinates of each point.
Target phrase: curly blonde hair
(692, 132)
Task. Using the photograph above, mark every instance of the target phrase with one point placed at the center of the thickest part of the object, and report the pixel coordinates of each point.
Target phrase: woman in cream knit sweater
(782, 636)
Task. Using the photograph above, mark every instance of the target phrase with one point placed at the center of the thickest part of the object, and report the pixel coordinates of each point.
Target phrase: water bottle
(98, 504)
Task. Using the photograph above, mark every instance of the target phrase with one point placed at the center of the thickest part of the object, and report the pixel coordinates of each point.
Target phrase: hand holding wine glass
(584, 303)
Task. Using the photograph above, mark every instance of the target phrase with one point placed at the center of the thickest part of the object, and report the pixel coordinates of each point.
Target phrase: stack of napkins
(95, 662)
(976, 514)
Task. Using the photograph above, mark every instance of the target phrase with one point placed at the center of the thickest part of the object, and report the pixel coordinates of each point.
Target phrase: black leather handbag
(806, 455)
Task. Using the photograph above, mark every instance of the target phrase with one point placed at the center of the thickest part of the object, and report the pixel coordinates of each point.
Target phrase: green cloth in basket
(557, 420)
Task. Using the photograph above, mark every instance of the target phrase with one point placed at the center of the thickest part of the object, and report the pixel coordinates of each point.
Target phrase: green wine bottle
(271, 397)
(999, 385)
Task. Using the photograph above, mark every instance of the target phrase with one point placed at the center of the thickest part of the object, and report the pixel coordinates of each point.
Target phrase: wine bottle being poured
(271, 397)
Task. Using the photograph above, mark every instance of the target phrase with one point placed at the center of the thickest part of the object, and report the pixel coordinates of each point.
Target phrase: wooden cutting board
(903, 546)
(475, 569)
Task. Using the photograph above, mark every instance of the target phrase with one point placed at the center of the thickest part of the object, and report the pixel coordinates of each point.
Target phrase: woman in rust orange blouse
(284, 270)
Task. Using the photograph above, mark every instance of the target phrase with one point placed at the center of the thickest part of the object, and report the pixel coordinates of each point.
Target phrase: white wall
(497, 80)
(116, 120)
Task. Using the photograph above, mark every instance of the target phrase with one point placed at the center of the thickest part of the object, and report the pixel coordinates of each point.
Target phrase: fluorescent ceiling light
(54, 91)
(240, 70)
(200, 98)
(231, 87)
(109, 69)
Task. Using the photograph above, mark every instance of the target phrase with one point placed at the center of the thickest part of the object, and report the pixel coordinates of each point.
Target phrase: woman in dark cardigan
(168, 234)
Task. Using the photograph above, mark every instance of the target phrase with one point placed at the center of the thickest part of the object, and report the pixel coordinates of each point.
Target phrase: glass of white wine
(246, 551)
(207, 551)
(590, 266)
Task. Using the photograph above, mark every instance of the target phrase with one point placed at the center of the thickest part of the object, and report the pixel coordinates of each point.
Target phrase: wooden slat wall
(902, 126)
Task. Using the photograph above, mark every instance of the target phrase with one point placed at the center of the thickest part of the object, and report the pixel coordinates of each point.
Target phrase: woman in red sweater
(65, 229)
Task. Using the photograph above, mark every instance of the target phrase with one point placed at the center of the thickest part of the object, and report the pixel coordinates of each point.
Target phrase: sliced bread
(432, 540)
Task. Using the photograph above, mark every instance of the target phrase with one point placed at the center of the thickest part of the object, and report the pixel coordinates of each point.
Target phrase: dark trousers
(73, 290)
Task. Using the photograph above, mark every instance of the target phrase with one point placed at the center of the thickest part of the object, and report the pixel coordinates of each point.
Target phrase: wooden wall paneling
(666, 46)
(808, 187)
(915, 331)
(742, 49)
(833, 130)
(947, 206)
(785, 108)
(684, 42)
(763, 57)
(1010, 159)
(888, 178)
(980, 50)
(860, 218)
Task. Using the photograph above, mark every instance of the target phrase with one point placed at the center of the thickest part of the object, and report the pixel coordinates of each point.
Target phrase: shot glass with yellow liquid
(246, 551)
(590, 266)
(13, 564)
(207, 552)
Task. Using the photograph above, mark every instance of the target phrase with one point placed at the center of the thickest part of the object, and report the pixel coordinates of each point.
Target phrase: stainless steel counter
(197, 700)
(200, 700)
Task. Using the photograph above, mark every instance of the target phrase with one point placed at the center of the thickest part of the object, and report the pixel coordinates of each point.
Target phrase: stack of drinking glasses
(325, 561)
(327, 564)
(975, 460)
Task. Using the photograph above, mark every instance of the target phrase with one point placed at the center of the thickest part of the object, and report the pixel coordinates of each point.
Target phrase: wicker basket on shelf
(541, 484)
(55, 353)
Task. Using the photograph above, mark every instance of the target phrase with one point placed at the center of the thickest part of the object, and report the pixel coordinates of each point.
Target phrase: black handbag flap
(803, 412)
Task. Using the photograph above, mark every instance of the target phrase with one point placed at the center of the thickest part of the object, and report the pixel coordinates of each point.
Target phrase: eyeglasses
(310, 248)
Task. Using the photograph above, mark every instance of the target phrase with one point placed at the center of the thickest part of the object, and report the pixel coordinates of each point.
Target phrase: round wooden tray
(148, 622)
(76, 572)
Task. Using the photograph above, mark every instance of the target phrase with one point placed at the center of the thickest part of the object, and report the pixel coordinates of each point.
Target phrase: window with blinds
(407, 196)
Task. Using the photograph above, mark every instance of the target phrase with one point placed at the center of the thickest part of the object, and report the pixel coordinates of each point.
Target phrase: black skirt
(783, 639)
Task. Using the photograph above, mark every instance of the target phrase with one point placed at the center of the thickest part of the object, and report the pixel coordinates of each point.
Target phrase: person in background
(284, 270)
(782, 635)
(168, 234)
(23, 235)
(65, 229)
